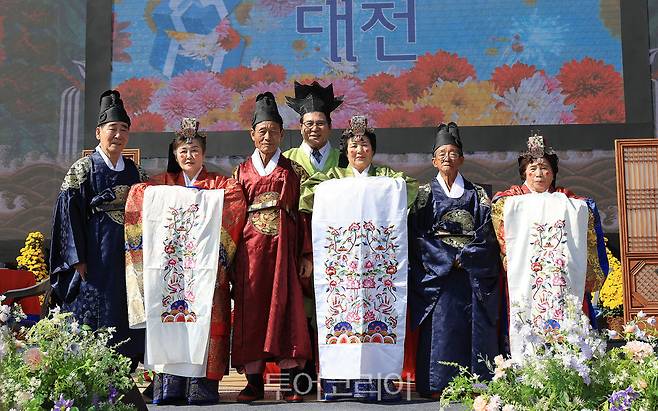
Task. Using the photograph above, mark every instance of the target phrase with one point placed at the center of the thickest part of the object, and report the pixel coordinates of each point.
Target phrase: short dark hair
(525, 161)
(326, 115)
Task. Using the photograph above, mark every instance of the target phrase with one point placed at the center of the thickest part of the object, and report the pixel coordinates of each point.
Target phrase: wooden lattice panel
(637, 201)
(646, 282)
(641, 196)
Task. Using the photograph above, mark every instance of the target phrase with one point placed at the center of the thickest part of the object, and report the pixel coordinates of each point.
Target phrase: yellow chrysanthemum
(612, 293)
(470, 104)
(32, 257)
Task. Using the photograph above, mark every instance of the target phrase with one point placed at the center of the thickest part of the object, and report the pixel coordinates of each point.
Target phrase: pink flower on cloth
(368, 282)
(369, 316)
(189, 263)
(172, 261)
(369, 264)
(353, 316)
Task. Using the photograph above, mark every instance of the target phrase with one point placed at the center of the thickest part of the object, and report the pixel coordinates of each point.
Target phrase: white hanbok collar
(457, 189)
(324, 151)
(364, 173)
(120, 164)
(271, 165)
(190, 182)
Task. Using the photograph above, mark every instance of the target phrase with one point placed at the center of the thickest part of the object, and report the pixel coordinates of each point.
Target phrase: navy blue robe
(453, 283)
(88, 227)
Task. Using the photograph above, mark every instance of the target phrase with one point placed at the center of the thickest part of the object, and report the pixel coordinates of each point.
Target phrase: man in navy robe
(453, 271)
(87, 259)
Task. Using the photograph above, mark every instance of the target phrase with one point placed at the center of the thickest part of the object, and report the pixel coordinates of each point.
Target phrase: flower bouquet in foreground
(58, 364)
(565, 366)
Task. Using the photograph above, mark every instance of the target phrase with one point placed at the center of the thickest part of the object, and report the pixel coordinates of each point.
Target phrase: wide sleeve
(595, 276)
(498, 222)
(429, 261)
(412, 183)
(480, 257)
(234, 215)
(307, 191)
(134, 256)
(68, 237)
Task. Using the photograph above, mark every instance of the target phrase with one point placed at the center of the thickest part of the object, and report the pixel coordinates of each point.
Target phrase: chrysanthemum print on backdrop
(509, 62)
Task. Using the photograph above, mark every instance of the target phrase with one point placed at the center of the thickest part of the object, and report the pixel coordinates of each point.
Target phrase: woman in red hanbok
(186, 168)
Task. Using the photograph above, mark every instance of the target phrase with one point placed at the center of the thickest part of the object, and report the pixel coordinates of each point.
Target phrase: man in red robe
(273, 257)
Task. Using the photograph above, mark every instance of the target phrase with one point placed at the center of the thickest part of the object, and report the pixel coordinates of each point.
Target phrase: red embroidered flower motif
(238, 78)
(333, 284)
(384, 88)
(369, 316)
(587, 78)
(136, 93)
(172, 261)
(147, 121)
(354, 227)
(558, 280)
(354, 265)
(535, 266)
(391, 269)
(270, 73)
(369, 264)
(506, 77)
(368, 226)
(353, 316)
(368, 282)
(388, 283)
(600, 109)
(169, 249)
(330, 270)
(445, 66)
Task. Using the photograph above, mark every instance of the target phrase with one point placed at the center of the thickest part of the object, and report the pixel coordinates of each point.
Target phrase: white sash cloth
(181, 229)
(360, 272)
(546, 240)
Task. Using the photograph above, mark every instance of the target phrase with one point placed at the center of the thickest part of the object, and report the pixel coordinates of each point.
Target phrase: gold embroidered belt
(269, 204)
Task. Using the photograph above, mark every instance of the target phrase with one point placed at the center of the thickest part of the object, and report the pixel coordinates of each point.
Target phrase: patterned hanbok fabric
(168, 386)
(360, 266)
(533, 233)
(88, 227)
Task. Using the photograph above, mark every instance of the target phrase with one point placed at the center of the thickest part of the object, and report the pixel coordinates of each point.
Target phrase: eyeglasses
(310, 124)
(452, 155)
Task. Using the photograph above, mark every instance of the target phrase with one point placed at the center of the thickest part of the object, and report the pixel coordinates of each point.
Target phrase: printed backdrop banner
(181, 229)
(360, 265)
(546, 238)
(406, 63)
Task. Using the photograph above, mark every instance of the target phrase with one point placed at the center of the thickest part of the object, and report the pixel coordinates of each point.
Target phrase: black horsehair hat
(266, 109)
(313, 97)
(111, 108)
(447, 134)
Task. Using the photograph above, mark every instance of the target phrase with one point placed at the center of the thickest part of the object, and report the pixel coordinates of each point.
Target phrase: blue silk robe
(88, 227)
(453, 283)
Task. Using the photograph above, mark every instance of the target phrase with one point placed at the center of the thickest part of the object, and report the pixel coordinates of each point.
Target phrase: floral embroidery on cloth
(360, 268)
(178, 275)
(549, 276)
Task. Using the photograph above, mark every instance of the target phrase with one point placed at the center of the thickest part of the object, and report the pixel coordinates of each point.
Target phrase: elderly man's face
(447, 159)
(113, 137)
(315, 129)
(539, 175)
(267, 136)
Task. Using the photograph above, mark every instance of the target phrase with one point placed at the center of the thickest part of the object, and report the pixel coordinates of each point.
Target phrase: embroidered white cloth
(181, 228)
(546, 240)
(360, 272)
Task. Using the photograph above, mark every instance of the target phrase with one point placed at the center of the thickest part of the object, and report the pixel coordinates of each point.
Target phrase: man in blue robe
(87, 259)
(453, 271)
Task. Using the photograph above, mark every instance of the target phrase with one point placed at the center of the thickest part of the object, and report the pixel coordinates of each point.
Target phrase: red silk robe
(233, 217)
(269, 319)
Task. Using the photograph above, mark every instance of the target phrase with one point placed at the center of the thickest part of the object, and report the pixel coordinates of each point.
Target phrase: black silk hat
(266, 109)
(447, 134)
(111, 108)
(313, 97)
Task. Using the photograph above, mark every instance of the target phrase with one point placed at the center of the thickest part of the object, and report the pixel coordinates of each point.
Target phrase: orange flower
(230, 40)
(384, 88)
(587, 78)
(147, 121)
(445, 66)
(506, 77)
(270, 73)
(238, 78)
(600, 109)
(136, 93)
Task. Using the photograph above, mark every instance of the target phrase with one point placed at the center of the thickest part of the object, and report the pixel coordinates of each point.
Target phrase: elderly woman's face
(190, 157)
(539, 175)
(359, 153)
